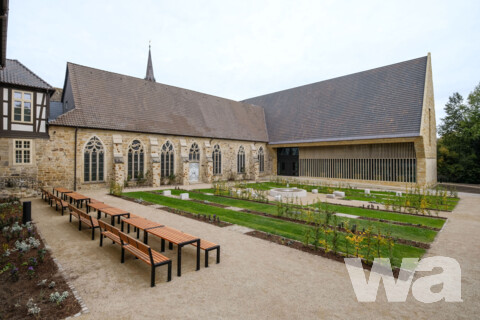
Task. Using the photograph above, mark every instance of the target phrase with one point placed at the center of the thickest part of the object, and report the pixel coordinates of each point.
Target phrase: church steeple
(149, 76)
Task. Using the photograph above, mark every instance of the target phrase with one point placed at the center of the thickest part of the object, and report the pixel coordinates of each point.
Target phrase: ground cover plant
(28, 275)
(317, 234)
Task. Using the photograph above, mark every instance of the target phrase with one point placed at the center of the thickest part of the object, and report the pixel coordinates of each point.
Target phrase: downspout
(75, 162)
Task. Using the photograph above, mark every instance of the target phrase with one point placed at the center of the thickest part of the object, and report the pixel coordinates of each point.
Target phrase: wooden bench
(48, 197)
(110, 232)
(82, 217)
(59, 202)
(44, 193)
(208, 246)
(146, 254)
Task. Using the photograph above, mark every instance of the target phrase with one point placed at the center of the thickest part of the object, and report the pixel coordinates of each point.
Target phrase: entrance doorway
(287, 161)
(194, 172)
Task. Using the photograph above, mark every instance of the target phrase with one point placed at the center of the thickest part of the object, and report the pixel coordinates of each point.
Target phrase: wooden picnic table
(141, 224)
(97, 206)
(78, 198)
(113, 212)
(180, 239)
(63, 191)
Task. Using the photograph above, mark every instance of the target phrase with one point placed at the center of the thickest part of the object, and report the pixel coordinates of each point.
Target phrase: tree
(459, 144)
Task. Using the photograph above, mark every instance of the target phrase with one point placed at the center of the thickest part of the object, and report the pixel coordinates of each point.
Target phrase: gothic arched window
(261, 159)
(217, 160)
(136, 158)
(93, 161)
(241, 160)
(167, 157)
(194, 154)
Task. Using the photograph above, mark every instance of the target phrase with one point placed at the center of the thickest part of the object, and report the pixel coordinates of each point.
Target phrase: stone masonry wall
(55, 157)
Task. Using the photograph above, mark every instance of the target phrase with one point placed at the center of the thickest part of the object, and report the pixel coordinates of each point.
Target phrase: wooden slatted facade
(394, 162)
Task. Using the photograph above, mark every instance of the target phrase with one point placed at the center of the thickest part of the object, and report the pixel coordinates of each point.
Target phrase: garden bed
(29, 276)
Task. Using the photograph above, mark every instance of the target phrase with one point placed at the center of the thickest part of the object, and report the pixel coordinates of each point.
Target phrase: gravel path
(256, 279)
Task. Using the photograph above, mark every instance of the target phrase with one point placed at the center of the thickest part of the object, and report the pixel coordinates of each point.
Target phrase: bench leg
(122, 260)
(63, 209)
(101, 239)
(93, 233)
(198, 255)
(152, 281)
(218, 255)
(138, 233)
(79, 224)
(112, 221)
(70, 217)
(169, 278)
(162, 246)
(121, 226)
(206, 258)
(170, 246)
(145, 237)
(179, 261)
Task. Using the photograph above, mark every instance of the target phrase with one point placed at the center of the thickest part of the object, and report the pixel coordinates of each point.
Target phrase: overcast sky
(241, 49)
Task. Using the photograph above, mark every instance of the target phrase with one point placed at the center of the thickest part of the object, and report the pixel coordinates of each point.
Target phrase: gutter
(75, 162)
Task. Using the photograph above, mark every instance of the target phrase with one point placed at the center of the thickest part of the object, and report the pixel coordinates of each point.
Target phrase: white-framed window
(22, 105)
(23, 151)
(241, 160)
(261, 159)
(217, 160)
(93, 161)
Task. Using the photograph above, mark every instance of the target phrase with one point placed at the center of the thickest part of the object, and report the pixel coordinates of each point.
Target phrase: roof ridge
(163, 84)
(346, 75)
(33, 73)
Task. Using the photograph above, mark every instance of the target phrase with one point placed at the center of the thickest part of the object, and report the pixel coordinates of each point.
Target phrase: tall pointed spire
(149, 76)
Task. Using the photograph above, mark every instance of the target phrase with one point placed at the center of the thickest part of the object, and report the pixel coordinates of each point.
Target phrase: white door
(194, 172)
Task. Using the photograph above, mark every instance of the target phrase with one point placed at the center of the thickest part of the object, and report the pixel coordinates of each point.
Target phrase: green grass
(359, 194)
(404, 232)
(391, 216)
(282, 228)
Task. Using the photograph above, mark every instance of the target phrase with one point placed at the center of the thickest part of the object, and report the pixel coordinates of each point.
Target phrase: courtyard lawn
(282, 228)
(397, 231)
(391, 216)
(447, 203)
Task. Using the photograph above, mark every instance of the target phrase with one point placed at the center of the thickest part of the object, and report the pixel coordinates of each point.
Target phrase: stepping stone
(184, 196)
(208, 194)
(398, 193)
(339, 193)
(278, 198)
(345, 215)
(167, 193)
(315, 191)
(367, 191)
(331, 196)
(234, 208)
(238, 228)
(156, 206)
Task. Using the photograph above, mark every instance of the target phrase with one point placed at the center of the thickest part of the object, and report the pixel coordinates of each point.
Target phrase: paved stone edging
(77, 296)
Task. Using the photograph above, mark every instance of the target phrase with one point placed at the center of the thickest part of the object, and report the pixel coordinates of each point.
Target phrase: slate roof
(384, 102)
(106, 100)
(16, 73)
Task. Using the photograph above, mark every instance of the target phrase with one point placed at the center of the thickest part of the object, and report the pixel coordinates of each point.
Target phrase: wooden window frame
(22, 114)
(23, 150)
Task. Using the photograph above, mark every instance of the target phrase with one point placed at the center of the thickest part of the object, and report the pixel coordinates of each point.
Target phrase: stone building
(376, 126)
